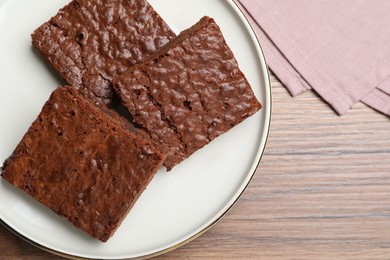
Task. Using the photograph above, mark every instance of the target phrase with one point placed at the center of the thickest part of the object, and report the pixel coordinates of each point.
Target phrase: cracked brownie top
(91, 41)
(189, 92)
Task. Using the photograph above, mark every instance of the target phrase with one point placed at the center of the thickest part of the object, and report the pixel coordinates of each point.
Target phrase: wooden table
(322, 191)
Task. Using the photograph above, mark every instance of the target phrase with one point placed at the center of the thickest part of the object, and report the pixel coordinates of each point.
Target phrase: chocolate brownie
(82, 164)
(91, 41)
(189, 92)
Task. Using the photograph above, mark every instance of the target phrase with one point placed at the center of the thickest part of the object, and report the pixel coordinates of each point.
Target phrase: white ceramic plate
(177, 206)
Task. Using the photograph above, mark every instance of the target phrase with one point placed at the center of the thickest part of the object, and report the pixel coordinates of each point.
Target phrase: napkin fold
(339, 48)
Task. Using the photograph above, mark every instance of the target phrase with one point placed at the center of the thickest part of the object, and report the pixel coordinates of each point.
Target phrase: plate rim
(236, 197)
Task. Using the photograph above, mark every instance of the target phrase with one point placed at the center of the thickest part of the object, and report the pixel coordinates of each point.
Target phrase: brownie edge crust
(82, 164)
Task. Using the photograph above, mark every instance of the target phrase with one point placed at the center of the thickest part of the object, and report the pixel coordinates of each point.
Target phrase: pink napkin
(340, 48)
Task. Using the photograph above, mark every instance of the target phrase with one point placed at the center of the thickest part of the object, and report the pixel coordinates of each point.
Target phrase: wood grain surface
(322, 191)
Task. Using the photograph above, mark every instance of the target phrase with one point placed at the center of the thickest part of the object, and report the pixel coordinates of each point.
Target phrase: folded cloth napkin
(340, 48)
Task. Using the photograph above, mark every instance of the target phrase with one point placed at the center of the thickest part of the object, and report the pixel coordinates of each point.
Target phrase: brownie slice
(91, 41)
(189, 92)
(82, 164)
